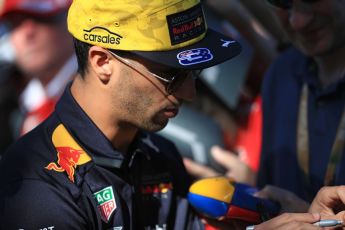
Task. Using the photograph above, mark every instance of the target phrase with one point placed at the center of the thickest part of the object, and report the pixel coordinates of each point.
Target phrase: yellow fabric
(219, 188)
(127, 24)
(69, 153)
(62, 138)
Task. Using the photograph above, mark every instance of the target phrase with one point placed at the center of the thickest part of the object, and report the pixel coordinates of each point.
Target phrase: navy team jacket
(66, 175)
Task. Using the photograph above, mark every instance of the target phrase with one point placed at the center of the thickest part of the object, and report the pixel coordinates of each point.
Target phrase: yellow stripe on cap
(219, 188)
(134, 24)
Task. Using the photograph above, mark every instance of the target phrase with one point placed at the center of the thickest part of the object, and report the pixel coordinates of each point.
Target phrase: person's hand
(288, 201)
(330, 201)
(235, 167)
(290, 221)
(286, 221)
(222, 224)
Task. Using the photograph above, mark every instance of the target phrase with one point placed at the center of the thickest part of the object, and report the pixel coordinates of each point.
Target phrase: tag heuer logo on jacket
(106, 202)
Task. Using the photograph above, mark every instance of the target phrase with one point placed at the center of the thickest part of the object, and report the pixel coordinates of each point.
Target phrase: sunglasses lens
(179, 79)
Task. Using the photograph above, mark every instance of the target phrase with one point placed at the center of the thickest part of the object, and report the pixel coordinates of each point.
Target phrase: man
(303, 101)
(43, 53)
(94, 163)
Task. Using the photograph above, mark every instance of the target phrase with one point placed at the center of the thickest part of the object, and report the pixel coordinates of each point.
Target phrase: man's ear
(100, 63)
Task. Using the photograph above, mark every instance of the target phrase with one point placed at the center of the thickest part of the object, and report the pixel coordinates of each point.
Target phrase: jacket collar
(86, 133)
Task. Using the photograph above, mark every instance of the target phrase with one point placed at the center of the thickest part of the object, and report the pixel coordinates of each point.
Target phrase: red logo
(69, 153)
(67, 161)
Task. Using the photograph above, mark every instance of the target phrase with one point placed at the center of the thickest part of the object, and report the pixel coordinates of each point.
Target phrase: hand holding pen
(293, 221)
(321, 223)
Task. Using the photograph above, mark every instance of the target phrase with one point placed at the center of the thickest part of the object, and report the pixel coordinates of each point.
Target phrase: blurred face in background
(42, 44)
(315, 27)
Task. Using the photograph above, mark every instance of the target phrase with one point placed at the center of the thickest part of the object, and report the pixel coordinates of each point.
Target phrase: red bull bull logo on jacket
(69, 153)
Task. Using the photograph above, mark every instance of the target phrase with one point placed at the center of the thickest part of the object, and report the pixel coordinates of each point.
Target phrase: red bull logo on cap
(69, 153)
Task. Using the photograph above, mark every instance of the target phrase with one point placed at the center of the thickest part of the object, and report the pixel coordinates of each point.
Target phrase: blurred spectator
(43, 54)
(11, 84)
(303, 102)
(249, 27)
(242, 123)
(268, 20)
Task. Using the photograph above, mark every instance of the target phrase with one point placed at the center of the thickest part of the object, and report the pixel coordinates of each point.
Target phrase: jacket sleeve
(265, 173)
(33, 204)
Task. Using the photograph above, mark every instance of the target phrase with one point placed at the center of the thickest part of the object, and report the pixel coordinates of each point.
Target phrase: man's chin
(157, 125)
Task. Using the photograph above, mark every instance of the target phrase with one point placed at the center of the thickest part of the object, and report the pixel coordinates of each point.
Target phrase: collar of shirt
(307, 71)
(92, 139)
(35, 94)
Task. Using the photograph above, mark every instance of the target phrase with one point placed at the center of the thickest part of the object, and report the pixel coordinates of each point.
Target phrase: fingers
(225, 158)
(235, 167)
(198, 170)
(339, 216)
(291, 221)
(299, 226)
(329, 200)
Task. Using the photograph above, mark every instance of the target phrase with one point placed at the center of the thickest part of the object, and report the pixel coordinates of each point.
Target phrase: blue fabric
(208, 205)
(281, 94)
(150, 183)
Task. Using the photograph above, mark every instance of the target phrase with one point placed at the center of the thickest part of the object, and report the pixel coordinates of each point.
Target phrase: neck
(331, 67)
(98, 107)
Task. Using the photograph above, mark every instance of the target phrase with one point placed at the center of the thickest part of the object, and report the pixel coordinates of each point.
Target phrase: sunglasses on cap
(287, 4)
(172, 79)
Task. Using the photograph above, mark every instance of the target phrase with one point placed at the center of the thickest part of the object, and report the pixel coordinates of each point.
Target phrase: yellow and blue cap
(170, 32)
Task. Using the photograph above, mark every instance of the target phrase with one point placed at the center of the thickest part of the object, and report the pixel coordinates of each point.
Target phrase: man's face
(142, 99)
(315, 28)
(42, 44)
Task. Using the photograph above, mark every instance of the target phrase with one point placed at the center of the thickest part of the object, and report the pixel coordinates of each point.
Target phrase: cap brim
(213, 49)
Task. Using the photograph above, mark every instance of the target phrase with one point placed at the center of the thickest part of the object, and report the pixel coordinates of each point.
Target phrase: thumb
(224, 157)
(198, 170)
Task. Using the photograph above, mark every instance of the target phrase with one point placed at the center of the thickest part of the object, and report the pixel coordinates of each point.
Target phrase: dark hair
(82, 53)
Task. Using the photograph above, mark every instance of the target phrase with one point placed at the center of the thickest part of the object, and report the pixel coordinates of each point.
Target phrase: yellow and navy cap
(170, 32)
